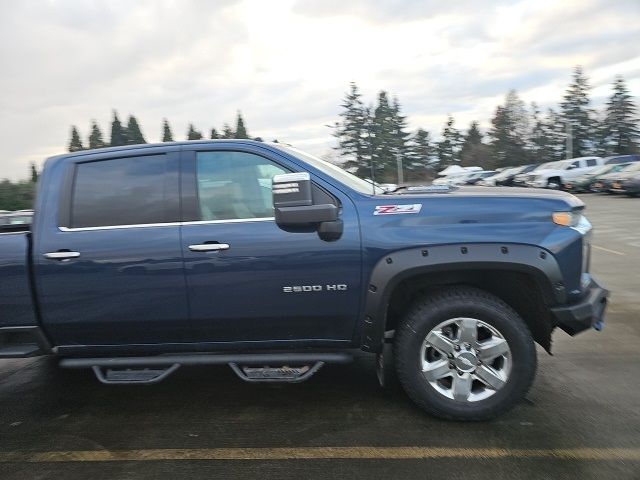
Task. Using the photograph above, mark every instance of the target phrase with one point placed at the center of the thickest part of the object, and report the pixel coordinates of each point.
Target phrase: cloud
(287, 64)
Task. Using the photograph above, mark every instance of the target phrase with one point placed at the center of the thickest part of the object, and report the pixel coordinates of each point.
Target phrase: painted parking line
(608, 250)
(320, 453)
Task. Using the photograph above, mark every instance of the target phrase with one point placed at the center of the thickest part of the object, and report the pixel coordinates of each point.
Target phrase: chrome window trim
(167, 224)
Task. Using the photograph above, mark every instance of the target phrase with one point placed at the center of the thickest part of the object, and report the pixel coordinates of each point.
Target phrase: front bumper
(585, 313)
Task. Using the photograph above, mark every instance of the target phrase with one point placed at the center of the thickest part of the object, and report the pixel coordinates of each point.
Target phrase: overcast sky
(286, 64)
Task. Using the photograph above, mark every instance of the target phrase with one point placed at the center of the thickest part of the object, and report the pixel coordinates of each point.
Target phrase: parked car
(520, 179)
(629, 185)
(492, 180)
(508, 180)
(602, 184)
(477, 176)
(585, 182)
(616, 159)
(162, 256)
(626, 180)
(553, 175)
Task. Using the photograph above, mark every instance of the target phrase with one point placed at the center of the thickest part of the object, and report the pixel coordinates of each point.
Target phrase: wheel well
(522, 291)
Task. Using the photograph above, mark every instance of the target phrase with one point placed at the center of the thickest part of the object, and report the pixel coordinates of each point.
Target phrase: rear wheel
(464, 354)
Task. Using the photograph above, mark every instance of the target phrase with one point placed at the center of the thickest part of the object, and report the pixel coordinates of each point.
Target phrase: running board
(284, 374)
(255, 367)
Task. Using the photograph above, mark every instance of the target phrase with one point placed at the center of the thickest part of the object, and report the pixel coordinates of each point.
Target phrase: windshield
(350, 180)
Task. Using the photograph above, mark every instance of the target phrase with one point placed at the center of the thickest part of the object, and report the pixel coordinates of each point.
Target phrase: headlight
(575, 220)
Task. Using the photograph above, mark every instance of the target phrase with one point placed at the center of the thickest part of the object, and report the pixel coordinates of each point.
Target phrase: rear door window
(125, 191)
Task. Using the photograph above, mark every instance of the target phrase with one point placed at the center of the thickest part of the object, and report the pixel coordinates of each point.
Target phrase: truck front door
(249, 280)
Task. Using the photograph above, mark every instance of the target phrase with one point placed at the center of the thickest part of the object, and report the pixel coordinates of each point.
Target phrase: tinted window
(591, 162)
(125, 191)
(234, 185)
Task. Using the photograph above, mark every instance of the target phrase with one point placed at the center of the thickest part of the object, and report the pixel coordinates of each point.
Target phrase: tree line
(375, 140)
(131, 133)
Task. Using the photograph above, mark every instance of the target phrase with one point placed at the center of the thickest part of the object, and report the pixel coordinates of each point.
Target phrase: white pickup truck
(553, 175)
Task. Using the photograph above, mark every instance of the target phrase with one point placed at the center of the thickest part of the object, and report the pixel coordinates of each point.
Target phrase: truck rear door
(107, 251)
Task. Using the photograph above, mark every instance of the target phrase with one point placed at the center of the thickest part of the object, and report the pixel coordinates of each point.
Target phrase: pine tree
(227, 131)
(620, 125)
(75, 144)
(118, 134)
(353, 133)
(167, 135)
(448, 148)
(384, 140)
(214, 134)
(134, 134)
(241, 130)
(421, 152)
(193, 134)
(399, 134)
(33, 172)
(473, 151)
(95, 137)
(509, 132)
(577, 114)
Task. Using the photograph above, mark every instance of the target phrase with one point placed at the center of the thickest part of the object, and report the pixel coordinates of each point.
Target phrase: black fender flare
(395, 267)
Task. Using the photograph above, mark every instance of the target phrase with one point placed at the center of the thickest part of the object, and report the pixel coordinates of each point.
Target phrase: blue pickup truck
(145, 258)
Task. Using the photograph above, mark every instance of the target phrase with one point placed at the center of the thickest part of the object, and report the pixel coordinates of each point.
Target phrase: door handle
(61, 255)
(209, 247)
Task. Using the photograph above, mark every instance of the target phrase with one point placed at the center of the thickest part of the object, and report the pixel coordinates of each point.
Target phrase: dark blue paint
(143, 286)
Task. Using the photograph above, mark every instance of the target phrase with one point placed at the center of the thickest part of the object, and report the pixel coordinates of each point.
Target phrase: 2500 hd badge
(315, 288)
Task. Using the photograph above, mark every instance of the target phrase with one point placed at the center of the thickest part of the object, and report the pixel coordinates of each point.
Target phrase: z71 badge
(397, 209)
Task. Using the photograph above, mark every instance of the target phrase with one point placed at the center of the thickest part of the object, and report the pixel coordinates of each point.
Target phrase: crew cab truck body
(142, 259)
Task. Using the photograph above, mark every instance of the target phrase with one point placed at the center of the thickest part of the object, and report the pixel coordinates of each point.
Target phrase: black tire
(450, 303)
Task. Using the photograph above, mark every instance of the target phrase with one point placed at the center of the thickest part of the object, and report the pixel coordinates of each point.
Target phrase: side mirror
(293, 201)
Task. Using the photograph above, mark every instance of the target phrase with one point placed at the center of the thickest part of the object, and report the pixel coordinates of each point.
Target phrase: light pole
(400, 172)
(569, 140)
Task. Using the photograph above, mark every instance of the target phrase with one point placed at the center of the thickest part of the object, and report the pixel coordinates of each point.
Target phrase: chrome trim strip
(168, 224)
(233, 220)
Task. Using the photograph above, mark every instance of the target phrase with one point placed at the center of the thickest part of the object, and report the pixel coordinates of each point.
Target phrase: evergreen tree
(384, 140)
(134, 134)
(538, 140)
(241, 130)
(33, 172)
(95, 137)
(620, 126)
(167, 135)
(448, 148)
(353, 133)
(193, 134)
(473, 151)
(555, 136)
(214, 134)
(422, 154)
(227, 131)
(399, 135)
(577, 114)
(509, 132)
(75, 144)
(118, 134)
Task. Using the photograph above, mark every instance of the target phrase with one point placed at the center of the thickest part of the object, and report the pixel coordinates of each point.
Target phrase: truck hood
(497, 193)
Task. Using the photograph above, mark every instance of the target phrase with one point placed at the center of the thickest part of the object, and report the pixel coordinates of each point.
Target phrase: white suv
(554, 174)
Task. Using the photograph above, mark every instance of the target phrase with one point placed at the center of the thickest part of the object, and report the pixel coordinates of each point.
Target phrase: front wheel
(464, 354)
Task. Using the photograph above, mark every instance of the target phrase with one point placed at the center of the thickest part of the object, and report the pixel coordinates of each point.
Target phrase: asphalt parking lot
(581, 418)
